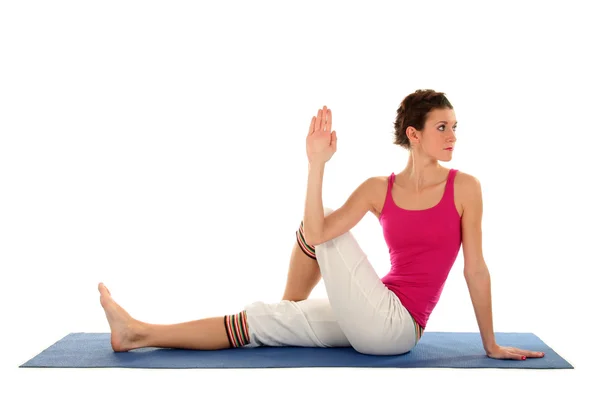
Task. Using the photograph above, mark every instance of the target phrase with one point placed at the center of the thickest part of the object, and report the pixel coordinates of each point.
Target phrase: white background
(159, 147)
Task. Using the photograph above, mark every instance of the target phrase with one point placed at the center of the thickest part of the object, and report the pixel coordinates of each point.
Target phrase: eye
(444, 126)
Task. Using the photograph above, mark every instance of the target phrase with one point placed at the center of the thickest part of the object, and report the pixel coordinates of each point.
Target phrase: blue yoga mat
(434, 350)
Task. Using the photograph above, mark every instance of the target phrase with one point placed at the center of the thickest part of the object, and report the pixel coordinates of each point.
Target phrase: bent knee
(308, 249)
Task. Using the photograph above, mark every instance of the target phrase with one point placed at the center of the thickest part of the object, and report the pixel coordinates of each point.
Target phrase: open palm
(321, 142)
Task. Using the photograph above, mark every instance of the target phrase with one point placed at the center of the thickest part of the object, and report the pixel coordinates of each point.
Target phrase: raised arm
(321, 144)
(339, 221)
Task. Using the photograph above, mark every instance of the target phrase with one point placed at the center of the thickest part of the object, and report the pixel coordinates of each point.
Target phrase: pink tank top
(423, 246)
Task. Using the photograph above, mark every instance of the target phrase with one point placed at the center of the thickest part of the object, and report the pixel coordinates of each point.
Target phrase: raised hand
(321, 143)
(513, 353)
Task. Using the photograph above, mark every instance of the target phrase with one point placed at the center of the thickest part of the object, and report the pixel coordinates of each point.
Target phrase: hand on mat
(321, 143)
(513, 353)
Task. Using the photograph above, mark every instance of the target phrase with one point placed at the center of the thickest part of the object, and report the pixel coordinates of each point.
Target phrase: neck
(421, 171)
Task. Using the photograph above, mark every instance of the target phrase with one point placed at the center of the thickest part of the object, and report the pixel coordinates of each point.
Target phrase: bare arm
(313, 206)
(319, 229)
(475, 271)
(321, 144)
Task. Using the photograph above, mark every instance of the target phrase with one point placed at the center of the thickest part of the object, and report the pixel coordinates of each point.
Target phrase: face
(438, 134)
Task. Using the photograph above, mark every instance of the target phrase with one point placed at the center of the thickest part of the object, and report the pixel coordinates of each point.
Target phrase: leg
(303, 273)
(306, 323)
(128, 333)
(371, 316)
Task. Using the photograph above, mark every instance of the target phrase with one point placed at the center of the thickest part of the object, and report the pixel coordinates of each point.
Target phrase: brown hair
(413, 112)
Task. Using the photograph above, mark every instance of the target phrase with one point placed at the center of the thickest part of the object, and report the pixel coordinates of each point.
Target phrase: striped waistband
(418, 328)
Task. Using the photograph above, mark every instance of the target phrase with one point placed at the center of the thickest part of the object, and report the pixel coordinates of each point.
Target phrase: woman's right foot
(125, 332)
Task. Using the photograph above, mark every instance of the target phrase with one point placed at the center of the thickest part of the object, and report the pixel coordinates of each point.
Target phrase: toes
(103, 289)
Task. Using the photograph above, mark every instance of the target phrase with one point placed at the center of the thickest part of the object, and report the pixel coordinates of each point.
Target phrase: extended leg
(213, 333)
(303, 273)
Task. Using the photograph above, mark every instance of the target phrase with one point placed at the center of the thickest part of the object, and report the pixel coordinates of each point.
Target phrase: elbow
(311, 240)
(314, 236)
(474, 270)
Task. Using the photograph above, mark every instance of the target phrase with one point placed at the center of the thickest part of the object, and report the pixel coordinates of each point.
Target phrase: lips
(449, 148)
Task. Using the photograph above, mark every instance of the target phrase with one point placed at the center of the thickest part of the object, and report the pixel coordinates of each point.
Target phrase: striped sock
(237, 329)
(306, 248)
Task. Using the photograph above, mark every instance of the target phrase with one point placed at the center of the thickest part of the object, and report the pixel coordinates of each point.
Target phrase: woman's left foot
(124, 330)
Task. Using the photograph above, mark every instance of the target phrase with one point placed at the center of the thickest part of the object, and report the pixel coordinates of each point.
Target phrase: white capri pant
(360, 311)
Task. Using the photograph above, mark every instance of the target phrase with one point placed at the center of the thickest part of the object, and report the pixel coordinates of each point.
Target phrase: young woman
(426, 211)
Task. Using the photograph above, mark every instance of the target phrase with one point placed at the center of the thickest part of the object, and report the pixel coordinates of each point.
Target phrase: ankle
(137, 331)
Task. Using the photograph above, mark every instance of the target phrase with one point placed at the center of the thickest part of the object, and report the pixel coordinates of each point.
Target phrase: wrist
(316, 163)
(316, 167)
(490, 348)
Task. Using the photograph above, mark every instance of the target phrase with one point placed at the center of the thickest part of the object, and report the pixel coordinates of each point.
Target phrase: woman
(426, 212)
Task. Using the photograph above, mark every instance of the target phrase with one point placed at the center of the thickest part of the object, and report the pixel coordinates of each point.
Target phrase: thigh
(353, 287)
(371, 316)
(307, 323)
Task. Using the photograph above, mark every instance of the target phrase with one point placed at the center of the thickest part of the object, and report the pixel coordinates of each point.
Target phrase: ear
(412, 134)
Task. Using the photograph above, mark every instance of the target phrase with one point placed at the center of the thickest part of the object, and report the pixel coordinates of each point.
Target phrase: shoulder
(370, 187)
(369, 193)
(466, 181)
(376, 191)
(379, 180)
(373, 182)
(378, 185)
(373, 186)
(468, 190)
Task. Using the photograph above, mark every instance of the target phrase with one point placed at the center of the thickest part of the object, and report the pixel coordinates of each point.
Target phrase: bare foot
(124, 330)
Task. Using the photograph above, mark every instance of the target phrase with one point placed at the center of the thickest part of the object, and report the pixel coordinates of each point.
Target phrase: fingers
(322, 122)
(319, 120)
(531, 354)
(311, 129)
(513, 353)
(526, 353)
(324, 119)
(508, 353)
(519, 354)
